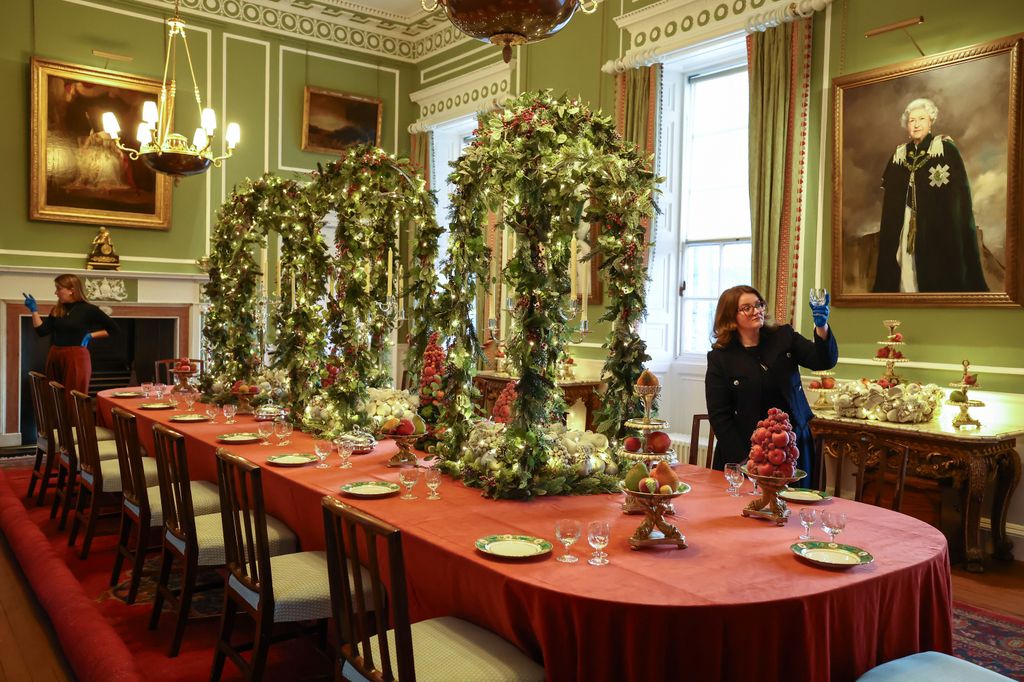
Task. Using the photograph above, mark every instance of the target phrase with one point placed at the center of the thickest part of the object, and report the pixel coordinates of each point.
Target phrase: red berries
(773, 450)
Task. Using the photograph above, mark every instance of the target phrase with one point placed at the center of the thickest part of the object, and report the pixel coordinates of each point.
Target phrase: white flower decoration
(938, 175)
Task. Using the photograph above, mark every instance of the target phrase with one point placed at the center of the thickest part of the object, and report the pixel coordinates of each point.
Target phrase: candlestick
(366, 269)
(390, 266)
(584, 303)
(573, 267)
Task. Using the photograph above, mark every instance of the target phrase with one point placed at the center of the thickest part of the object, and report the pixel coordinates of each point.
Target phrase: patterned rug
(991, 640)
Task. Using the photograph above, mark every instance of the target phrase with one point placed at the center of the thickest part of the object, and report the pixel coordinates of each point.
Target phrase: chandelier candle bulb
(366, 269)
(149, 113)
(573, 267)
(390, 268)
(208, 120)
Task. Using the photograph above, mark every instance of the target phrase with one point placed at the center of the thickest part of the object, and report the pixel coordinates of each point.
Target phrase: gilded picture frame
(937, 221)
(334, 120)
(77, 173)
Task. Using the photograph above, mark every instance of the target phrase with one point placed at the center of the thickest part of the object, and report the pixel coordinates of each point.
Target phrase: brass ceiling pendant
(510, 22)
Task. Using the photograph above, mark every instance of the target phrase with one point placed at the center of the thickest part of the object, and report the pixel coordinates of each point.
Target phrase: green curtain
(779, 71)
(636, 107)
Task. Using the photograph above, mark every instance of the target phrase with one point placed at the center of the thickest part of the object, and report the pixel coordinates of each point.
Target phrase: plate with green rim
(292, 459)
(831, 554)
(804, 495)
(240, 437)
(190, 417)
(510, 546)
(157, 406)
(370, 488)
(127, 394)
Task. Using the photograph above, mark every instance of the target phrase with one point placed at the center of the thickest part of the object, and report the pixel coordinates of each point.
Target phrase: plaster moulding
(671, 25)
(475, 91)
(337, 23)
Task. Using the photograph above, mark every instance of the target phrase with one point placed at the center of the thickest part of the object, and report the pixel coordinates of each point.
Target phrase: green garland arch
(543, 164)
(233, 326)
(373, 194)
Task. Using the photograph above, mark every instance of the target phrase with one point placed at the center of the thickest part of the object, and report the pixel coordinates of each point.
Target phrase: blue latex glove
(30, 302)
(820, 312)
(85, 340)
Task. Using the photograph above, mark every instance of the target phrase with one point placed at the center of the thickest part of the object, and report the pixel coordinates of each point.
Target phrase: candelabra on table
(890, 353)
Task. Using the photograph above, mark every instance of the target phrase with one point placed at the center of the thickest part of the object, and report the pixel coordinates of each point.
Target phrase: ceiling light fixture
(510, 22)
(165, 151)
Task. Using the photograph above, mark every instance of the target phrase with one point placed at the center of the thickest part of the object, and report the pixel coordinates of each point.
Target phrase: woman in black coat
(753, 366)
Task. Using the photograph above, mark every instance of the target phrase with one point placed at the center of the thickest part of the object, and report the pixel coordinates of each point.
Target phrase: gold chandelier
(159, 148)
(510, 22)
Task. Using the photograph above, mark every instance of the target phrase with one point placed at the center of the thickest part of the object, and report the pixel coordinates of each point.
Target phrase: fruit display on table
(772, 463)
(244, 393)
(825, 386)
(502, 410)
(960, 398)
(652, 492)
(404, 431)
(384, 404)
(430, 390)
(910, 403)
(890, 352)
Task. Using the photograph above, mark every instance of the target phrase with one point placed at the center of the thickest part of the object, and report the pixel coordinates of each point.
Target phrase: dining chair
(191, 540)
(46, 438)
(444, 648)
(162, 369)
(698, 420)
(930, 666)
(141, 510)
(272, 588)
(99, 484)
(890, 466)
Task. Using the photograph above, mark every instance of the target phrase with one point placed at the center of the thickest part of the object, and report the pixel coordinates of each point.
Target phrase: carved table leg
(977, 475)
(1007, 477)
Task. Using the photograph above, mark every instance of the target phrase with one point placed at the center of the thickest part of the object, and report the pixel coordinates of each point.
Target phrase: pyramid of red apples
(431, 392)
(773, 450)
(502, 412)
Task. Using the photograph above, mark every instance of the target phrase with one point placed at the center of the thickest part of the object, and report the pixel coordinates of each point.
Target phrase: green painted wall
(987, 336)
(252, 77)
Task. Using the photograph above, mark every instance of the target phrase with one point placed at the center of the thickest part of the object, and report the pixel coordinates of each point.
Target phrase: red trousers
(71, 366)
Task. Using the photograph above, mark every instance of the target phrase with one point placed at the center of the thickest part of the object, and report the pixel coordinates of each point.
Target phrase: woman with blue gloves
(72, 323)
(753, 366)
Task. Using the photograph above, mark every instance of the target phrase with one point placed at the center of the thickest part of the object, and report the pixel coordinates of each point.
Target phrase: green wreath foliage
(542, 164)
(373, 194)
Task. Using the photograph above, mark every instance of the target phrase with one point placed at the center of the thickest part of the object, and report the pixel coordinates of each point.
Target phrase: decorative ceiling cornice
(338, 23)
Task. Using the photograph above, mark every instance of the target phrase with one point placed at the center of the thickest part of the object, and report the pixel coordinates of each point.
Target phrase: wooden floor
(1000, 588)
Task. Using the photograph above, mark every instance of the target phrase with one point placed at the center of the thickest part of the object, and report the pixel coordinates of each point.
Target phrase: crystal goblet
(734, 475)
(283, 431)
(230, 411)
(833, 523)
(432, 477)
(344, 447)
(266, 430)
(322, 448)
(807, 519)
(408, 476)
(568, 532)
(598, 535)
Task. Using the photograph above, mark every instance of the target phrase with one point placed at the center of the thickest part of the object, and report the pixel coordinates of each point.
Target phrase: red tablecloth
(736, 604)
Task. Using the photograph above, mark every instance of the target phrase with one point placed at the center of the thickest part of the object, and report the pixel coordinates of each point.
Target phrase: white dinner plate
(370, 488)
(513, 546)
(831, 554)
(294, 459)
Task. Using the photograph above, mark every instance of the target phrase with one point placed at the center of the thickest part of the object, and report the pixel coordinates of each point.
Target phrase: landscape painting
(332, 120)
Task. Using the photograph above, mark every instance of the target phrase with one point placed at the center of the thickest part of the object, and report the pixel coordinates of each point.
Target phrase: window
(702, 237)
(449, 139)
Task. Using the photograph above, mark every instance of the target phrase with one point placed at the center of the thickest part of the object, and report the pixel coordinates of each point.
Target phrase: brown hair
(77, 293)
(725, 314)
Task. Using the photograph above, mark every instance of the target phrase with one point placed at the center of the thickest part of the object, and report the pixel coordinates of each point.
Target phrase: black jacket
(733, 388)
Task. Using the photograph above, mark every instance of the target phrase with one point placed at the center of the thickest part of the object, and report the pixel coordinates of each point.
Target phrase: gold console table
(968, 458)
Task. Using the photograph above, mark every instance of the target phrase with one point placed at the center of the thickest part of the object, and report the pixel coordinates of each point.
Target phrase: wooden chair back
(346, 530)
(129, 460)
(88, 447)
(38, 385)
(175, 487)
(62, 424)
(244, 515)
(889, 464)
(162, 369)
(698, 420)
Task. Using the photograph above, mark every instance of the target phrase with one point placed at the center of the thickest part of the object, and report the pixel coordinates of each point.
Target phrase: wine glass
(211, 412)
(807, 518)
(817, 296)
(753, 481)
(432, 477)
(598, 534)
(147, 389)
(568, 532)
(322, 449)
(408, 476)
(283, 431)
(344, 447)
(190, 398)
(159, 390)
(230, 410)
(734, 475)
(266, 430)
(833, 523)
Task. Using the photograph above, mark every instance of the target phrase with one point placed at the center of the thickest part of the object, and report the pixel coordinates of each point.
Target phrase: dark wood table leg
(977, 476)
(1007, 477)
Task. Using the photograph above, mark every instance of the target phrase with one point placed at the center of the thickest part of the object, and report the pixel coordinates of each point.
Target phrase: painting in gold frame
(78, 174)
(333, 120)
(968, 163)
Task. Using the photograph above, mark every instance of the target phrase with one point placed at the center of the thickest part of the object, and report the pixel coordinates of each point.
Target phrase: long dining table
(735, 604)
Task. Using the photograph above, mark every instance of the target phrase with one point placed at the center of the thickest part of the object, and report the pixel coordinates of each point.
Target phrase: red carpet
(992, 640)
(105, 639)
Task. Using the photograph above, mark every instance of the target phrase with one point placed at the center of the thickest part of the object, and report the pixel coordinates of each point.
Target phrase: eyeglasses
(751, 308)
